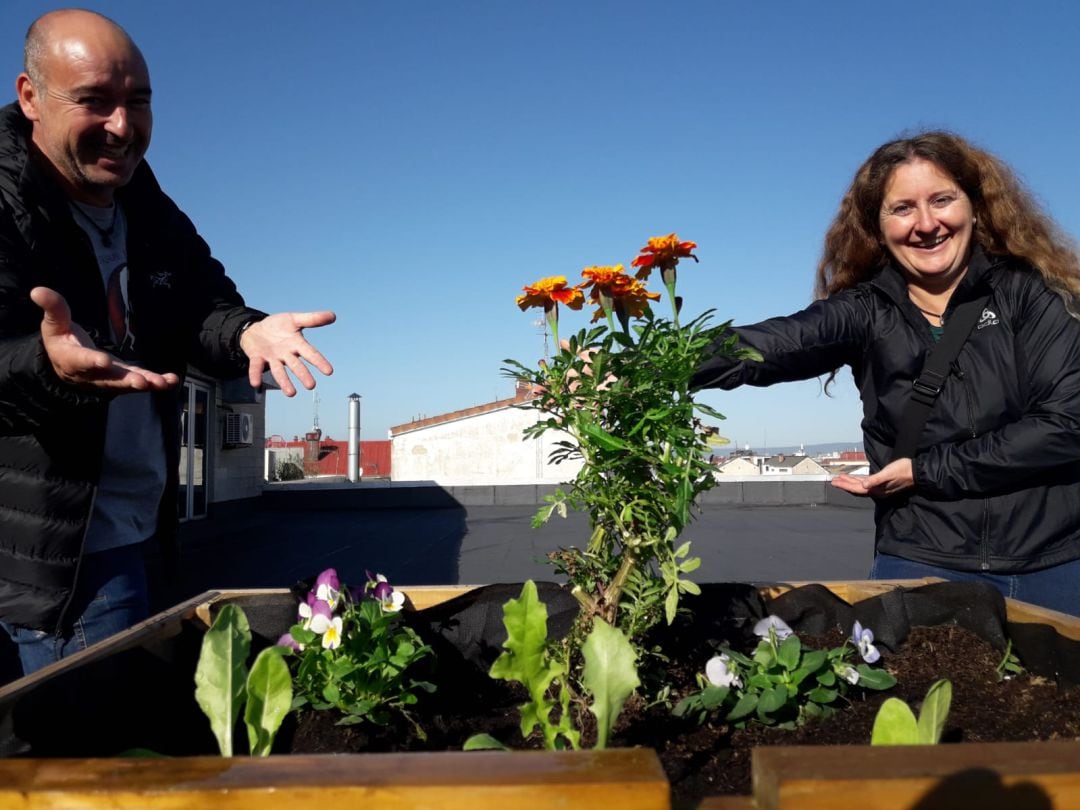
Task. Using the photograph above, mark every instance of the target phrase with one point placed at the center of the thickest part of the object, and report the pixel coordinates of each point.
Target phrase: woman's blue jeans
(1057, 587)
(110, 596)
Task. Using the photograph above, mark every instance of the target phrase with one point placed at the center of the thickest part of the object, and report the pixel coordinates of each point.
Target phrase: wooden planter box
(1039, 774)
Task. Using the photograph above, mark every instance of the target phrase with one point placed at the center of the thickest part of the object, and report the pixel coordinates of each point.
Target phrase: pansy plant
(783, 683)
(350, 650)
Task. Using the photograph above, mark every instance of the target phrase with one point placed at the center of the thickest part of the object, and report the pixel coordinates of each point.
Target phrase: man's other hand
(77, 361)
(277, 342)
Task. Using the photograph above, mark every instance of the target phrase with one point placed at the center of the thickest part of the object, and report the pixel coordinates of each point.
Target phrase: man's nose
(118, 123)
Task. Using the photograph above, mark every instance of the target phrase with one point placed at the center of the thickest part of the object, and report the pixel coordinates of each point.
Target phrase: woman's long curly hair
(1008, 221)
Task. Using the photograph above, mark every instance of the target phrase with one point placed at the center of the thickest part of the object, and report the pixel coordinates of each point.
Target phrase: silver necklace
(106, 234)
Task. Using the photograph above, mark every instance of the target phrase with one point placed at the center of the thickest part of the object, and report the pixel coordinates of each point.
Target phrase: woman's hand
(892, 479)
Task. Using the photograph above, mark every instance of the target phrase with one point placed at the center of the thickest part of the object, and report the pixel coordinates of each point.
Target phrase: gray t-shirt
(133, 470)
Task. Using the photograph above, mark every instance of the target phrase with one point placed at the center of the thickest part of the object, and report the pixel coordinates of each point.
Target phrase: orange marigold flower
(550, 291)
(663, 252)
(603, 276)
(629, 298)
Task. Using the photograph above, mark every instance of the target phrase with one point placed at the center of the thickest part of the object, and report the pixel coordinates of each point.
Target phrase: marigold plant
(620, 392)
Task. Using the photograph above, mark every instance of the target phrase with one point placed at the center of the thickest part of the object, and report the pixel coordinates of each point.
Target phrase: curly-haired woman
(992, 489)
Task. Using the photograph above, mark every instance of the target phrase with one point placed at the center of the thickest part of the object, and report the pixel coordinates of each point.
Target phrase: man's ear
(27, 95)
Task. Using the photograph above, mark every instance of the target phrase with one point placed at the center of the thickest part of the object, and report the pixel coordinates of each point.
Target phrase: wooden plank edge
(901, 776)
(632, 777)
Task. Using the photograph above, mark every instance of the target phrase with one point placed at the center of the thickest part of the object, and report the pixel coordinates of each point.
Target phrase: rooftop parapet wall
(778, 491)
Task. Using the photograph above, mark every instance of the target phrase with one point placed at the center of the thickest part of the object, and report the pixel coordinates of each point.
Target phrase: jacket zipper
(984, 533)
(59, 634)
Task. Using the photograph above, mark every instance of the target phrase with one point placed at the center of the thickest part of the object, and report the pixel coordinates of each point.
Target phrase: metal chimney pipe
(354, 438)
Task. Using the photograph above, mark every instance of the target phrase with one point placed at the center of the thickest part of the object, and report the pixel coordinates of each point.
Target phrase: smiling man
(107, 294)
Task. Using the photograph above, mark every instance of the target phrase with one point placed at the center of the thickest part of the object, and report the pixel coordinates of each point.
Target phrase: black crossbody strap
(926, 387)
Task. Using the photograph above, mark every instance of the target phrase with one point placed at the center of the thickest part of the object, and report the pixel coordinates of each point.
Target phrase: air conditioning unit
(239, 428)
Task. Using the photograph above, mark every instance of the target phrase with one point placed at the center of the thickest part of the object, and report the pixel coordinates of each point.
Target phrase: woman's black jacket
(184, 310)
(997, 470)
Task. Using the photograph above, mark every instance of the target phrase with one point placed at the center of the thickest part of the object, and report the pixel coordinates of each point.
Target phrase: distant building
(740, 465)
(326, 457)
(791, 465)
(480, 445)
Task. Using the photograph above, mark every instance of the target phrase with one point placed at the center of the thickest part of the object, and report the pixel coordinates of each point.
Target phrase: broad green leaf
(894, 725)
(822, 695)
(609, 674)
(269, 696)
(483, 742)
(875, 678)
(935, 710)
(746, 704)
(813, 659)
(772, 699)
(788, 653)
(221, 671)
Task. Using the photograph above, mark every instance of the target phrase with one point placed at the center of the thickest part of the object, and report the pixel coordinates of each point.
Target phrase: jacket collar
(981, 276)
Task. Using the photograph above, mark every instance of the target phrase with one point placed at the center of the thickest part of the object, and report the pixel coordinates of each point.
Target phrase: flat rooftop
(252, 544)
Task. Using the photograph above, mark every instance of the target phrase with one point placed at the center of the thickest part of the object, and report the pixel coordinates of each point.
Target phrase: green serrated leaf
(221, 673)
(269, 696)
(609, 674)
(524, 661)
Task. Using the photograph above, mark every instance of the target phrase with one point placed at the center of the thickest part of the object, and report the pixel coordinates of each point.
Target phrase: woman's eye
(900, 210)
(943, 200)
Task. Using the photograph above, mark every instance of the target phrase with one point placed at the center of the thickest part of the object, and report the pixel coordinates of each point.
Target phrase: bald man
(107, 294)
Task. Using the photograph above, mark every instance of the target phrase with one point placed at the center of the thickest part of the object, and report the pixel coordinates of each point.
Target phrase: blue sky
(412, 164)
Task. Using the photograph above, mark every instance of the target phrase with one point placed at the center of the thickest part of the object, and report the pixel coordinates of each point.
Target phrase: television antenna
(315, 410)
(542, 325)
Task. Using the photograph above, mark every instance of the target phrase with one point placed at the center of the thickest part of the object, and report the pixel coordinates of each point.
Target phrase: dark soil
(714, 758)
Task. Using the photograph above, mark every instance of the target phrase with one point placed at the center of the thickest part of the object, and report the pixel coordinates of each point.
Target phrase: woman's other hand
(893, 479)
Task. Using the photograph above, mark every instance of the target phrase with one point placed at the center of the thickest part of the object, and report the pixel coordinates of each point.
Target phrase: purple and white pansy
(776, 625)
(863, 639)
(721, 672)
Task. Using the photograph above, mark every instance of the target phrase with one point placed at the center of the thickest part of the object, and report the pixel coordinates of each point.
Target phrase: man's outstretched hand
(77, 361)
(277, 342)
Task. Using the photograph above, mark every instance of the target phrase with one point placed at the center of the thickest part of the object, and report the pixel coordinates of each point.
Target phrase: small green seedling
(895, 723)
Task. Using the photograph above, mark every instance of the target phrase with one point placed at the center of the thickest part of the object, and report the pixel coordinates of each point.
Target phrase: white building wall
(484, 448)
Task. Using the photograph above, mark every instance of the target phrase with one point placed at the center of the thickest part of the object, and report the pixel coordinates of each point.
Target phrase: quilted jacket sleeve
(815, 341)
(30, 391)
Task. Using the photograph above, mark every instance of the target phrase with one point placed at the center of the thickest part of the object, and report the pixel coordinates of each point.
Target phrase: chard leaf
(894, 725)
(935, 710)
(220, 673)
(269, 696)
(483, 742)
(609, 674)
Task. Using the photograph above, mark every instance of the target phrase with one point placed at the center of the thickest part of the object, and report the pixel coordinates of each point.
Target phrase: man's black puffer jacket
(997, 471)
(184, 310)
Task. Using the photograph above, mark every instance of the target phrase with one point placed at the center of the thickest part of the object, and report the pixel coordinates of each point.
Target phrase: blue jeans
(1057, 587)
(110, 596)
